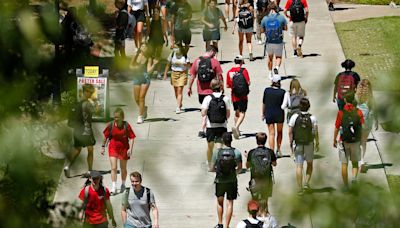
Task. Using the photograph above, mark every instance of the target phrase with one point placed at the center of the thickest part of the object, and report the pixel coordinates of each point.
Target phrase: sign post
(100, 98)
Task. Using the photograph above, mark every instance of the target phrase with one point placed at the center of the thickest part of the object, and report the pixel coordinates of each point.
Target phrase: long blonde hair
(364, 92)
(295, 88)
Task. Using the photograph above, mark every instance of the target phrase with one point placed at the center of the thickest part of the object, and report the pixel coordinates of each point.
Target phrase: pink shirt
(203, 88)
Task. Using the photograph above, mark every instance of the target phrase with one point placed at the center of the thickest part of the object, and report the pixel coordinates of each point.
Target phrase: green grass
(394, 185)
(50, 170)
(370, 2)
(374, 45)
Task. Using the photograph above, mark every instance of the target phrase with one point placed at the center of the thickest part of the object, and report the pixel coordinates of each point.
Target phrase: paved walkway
(350, 12)
(172, 157)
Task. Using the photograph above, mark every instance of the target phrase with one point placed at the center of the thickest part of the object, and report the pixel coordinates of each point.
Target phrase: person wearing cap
(82, 131)
(345, 82)
(273, 113)
(254, 221)
(239, 103)
(203, 88)
(96, 202)
(226, 182)
(215, 130)
(179, 63)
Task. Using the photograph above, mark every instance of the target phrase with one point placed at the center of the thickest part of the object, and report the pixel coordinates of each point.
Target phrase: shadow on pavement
(311, 55)
(247, 135)
(320, 190)
(224, 62)
(86, 175)
(288, 226)
(375, 166)
(191, 110)
(318, 156)
(151, 120)
(343, 8)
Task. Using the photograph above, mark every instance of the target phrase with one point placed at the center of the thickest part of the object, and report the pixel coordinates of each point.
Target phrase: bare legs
(220, 210)
(138, 34)
(139, 94)
(178, 95)
(271, 135)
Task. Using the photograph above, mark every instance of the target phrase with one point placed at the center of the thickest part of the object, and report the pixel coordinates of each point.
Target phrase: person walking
(345, 82)
(137, 204)
(227, 163)
(181, 15)
(121, 23)
(349, 122)
(142, 65)
(260, 11)
(140, 10)
(260, 161)
(179, 63)
(245, 20)
(237, 78)
(157, 38)
(210, 18)
(216, 108)
(96, 202)
(227, 6)
(365, 102)
(253, 221)
(303, 132)
(296, 93)
(80, 120)
(298, 18)
(117, 135)
(204, 69)
(273, 25)
(273, 113)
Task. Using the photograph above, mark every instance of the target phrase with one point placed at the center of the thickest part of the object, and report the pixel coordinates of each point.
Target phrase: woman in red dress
(118, 133)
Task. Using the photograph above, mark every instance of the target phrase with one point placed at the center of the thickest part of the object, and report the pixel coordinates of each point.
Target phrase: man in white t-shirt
(303, 131)
(217, 109)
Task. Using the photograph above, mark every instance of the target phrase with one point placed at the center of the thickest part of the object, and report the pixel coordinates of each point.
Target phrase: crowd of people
(170, 24)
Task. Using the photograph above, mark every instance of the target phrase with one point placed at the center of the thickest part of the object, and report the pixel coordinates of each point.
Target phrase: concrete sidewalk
(172, 158)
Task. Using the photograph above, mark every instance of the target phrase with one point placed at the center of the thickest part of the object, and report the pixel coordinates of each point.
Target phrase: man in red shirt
(349, 122)
(96, 203)
(298, 10)
(204, 88)
(239, 103)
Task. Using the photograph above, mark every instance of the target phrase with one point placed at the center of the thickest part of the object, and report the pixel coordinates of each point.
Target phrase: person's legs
(136, 94)
(74, 154)
(227, 6)
(220, 208)
(241, 36)
(240, 119)
(124, 173)
(89, 157)
(229, 212)
(271, 136)
(179, 95)
(215, 43)
(113, 163)
(344, 174)
(142, 97)
(309, 172)
(364, 138)
(270, 59)
(279, 128)
(138, 34)
(354, 171)
(207, 44)
(299, 175)
(248, 41)
(210, 148)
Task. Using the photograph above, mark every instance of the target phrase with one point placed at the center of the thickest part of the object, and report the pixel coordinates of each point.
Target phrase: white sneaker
(140, 120)
(66, 171)
(145, 113)
(179, 111)
(112, 191)
(259, 42)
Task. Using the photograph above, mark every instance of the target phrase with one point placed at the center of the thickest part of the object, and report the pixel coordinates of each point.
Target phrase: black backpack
(262, 4)
(297, 11)
(75, 116)
(245, 18)
(240, 88)
(261, 163)
(217, 109)
(205, 72)
(251, 225)
(351, 126)
(302, 130)
(226, 162)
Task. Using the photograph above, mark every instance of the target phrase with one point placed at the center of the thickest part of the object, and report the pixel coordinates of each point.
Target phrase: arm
(155, 215)
(131, 147)
(239, 168)
(307, 12)
(204, 112)
(110, 212)
(151, 64)
(223, 20)
(316, 138)
(334, 91)
(166, 70)
(262, 112)
(335, 134)
(123, 215)
(286, 101)
(291, 138)
(103, 145)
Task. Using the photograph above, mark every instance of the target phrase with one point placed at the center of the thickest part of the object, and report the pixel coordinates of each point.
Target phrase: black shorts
(83, 140)
(261, 189)
(183, 36)
(240, 106)
(215, 134)
(201, 98)
(211, 35)
(231, 190)
(139, 15)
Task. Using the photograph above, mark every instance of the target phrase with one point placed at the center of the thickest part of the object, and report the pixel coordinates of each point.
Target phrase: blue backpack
(273, 30)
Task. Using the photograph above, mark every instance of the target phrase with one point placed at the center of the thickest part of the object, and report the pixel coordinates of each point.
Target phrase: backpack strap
(148, 196)
(248, 223)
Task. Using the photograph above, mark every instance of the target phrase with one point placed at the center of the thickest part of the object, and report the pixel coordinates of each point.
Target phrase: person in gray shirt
(137, 204)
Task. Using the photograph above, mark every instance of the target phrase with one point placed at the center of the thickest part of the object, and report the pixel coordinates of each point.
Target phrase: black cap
(348, 64)
(95, 174)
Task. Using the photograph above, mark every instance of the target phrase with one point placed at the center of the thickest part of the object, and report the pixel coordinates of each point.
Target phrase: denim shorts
(141, 79)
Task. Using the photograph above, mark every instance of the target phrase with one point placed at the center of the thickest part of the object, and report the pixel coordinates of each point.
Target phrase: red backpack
(346, 83)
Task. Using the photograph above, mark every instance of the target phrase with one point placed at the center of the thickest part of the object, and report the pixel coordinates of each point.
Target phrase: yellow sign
(91, 71)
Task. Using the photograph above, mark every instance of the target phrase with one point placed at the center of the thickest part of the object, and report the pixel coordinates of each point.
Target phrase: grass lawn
(394, 185)
(374, 45)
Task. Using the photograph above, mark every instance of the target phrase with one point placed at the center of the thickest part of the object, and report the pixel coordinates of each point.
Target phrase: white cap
(276, 78)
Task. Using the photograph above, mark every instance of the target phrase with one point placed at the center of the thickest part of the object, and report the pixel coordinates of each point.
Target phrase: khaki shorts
(178, 78)
(297, 29)
(350, 151)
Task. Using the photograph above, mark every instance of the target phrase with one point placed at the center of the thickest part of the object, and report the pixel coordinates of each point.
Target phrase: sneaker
(306, 188)
(179, 111)
(259, 42)
(140, 120)
(363, 168)
(295, 53)
(123, 187)
(112, 191)
(331, 7)
(66, 171)
(235, 132)
(299, 53)
(251, 57)
(279, 153)
(202, 134)
(145, 113)
(219, 226)
(276, 71)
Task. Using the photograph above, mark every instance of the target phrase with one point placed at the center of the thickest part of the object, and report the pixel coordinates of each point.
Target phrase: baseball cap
(276, 78)
(95, 174)
(252, 205)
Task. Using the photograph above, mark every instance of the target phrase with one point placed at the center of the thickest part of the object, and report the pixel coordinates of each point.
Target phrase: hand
(114, 224)
(129, 153)
(165, 77)
(335, 143)
(316, 149)
(262, 117)
(103, 149)
(233, 31)
(189, 92)
(210, 26)
(156, 226)
(334, 100)
(155, 61)
(226, 28)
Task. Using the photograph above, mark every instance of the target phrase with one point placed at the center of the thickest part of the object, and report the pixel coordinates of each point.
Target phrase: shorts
(240, 105)
(141, 79)
(261, 189)
(304, 153)
(139, 15)
(201, 97)
(83, 140)
(183, 36)
(274, 49)
(178, 78)
(211, 35)
(273, 117)
(350, 151)
(121, 154)
(297, 29)
(215, 134)
(245, 30)
(231, 190)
